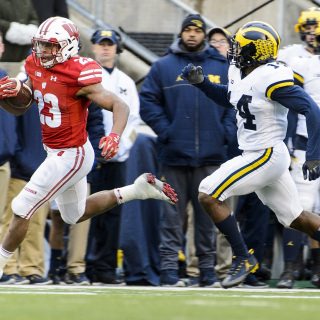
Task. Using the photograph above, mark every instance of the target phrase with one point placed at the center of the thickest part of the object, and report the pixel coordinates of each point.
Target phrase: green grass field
(144, 303)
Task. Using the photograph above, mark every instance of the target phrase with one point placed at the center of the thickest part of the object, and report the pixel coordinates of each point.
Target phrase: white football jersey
(288, 53)
(307, 72)
(262, 123)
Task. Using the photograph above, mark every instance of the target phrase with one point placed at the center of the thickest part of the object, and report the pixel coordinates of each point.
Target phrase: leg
(56, 244)
(292, 244)
(244, 263)
(204, 231)
(17, 231)
(31, 251)
(6, 197)
(238, 176)
(99, 203)
(253, 218)
(146, 186)
(172, 229)
(225, 222)
(308, 223)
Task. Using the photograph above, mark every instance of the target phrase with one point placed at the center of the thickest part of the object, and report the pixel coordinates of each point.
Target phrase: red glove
(9, 87)
(109, 145)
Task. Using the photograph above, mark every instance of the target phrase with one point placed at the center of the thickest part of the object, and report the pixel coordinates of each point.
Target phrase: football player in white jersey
(307, 75)
(262, 90)
(292, 239)
(305, 26)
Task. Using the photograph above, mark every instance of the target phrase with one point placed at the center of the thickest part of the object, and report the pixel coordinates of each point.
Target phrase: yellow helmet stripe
(277, 85)
(242, 172)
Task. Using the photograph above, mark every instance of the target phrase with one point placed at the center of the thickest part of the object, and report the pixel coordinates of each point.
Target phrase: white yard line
(269, 293)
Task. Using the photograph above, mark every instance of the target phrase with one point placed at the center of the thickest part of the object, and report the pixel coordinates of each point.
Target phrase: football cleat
(241, 267)
(286, 280)
(149, 187)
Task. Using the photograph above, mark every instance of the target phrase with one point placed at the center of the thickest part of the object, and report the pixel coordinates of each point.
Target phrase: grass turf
(99, 303)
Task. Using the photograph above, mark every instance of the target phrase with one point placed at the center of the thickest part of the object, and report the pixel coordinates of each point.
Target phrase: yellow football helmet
(253, 44)
(308, 17)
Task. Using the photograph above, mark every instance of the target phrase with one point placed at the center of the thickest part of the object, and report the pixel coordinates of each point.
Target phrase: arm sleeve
(90, 73)
(216, 92)
(296, 99)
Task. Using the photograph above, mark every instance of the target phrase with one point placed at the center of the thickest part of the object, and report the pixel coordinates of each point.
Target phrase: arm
(296, 99)
(216, 92)
(109, 101)
(15, 96)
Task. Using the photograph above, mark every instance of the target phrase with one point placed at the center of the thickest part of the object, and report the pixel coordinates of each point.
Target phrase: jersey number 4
(244, 112)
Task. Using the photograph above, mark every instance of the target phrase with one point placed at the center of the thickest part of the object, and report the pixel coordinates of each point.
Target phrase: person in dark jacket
(50, 8)
(193, 140)
(18, 23)
(27, 265)
(8, 140)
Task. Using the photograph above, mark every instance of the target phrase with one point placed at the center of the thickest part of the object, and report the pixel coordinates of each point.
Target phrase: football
(19, 104)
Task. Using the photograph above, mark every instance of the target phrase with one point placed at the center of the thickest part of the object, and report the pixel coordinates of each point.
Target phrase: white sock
(125, 194)
(5, 255)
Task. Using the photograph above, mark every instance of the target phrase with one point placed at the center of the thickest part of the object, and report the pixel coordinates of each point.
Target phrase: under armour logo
(123, 91)
(53, 78)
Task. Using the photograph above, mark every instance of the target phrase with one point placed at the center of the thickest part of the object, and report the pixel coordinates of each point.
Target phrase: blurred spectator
(27, 264)
(8, 140)
(50, 8)
(104, 230)
(220, 39)
(18, 23)
(192, 143)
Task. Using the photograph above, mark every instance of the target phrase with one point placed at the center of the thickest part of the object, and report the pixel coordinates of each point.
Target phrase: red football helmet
(56, 41)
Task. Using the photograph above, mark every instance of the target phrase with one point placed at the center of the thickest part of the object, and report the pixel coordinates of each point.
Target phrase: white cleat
(149, 187)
